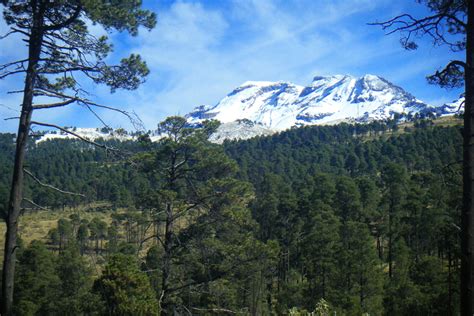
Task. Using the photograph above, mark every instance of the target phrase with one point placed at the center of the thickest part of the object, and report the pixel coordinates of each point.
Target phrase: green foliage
(50, 285)
(322, 308)
(36, 282)
(192, 182)
(313, 226)
(125, 289)
(76, 283)
(120, 15)
(67, 22)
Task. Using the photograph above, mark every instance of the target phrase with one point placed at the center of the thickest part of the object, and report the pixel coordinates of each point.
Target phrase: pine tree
(59, 48)
(320, 245)
(201, 208)
(37, 284)
(359, 271)
(451, 23)
(394, 180)
(75, 285)
(125, 289)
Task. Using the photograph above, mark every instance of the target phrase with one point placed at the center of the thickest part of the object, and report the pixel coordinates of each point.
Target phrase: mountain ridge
(327, 100)
(257, 108)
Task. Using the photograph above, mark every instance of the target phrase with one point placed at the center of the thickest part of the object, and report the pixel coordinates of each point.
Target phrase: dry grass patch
(35, 225)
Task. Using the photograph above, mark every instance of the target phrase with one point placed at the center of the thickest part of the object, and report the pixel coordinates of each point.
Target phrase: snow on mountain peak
(87, 133)
(247, 84)
(326, 100)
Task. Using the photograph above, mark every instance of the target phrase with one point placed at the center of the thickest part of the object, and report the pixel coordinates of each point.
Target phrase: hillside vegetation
(350, 219)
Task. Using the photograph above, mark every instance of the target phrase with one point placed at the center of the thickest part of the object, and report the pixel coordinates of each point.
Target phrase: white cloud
(199, 52)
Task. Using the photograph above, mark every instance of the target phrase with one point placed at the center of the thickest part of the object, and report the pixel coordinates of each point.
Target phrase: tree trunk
(467, 218)
(16, 191)
(390, 241)
(166, 268)
(269, 294)
(450, 288)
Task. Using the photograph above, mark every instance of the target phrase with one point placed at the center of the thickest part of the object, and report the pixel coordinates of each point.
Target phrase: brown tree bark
(16, 191)
(168, 244)
(467, 218)
(166, 268)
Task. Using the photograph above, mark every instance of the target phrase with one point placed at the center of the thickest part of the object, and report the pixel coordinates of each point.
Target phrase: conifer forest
(218, 212)
(311, 219)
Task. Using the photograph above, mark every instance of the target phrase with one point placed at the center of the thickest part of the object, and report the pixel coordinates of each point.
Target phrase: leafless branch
(21, 31)
(214, 310)
(132, 116)
(35, 205)
(15, 91)
(461, 105)
(431, 25)
(74, 134)
(456, 227)
(18, 62)
(9, 73)
(8, 34)
(9, 108)
(184, 211)
(49, 186)
(54, 105)
(96, 115)
(151, 237)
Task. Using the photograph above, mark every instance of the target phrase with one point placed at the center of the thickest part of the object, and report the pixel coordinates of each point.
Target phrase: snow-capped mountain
(455, 107)
(88, 133)
(327, 100)
(263, 108)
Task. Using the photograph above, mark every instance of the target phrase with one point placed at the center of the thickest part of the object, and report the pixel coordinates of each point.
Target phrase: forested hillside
(346, 219)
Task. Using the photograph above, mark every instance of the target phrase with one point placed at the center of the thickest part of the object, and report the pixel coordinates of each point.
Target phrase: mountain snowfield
(264, 108)
(277, 106)
(86, 132)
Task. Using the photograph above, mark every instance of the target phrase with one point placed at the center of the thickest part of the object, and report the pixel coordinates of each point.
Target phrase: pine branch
(71, 19)
(450, 76)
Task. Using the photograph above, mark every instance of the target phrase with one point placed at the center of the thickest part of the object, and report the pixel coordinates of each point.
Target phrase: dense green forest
(346, 219)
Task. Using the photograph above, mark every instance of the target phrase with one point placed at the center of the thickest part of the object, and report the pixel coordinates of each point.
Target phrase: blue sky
(202, 50)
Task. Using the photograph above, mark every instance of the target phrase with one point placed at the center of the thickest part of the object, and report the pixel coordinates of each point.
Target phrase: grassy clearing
(35, 225)
(403, 128)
